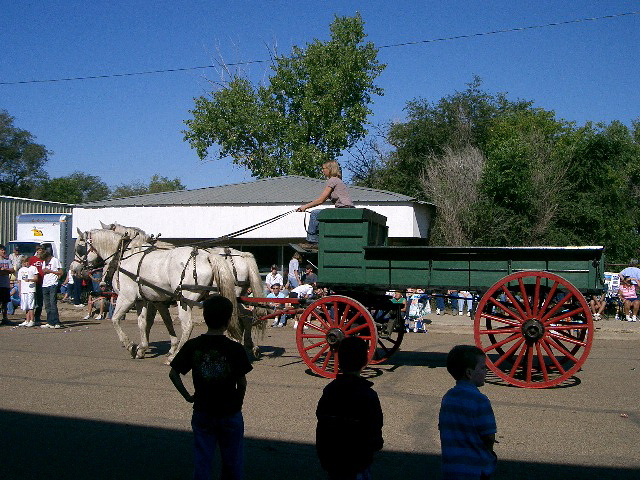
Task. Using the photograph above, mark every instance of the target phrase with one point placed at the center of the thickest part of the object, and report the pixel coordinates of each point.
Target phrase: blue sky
(126, 129)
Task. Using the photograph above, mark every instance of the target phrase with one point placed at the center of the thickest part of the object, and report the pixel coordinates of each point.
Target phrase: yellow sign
(36, 232)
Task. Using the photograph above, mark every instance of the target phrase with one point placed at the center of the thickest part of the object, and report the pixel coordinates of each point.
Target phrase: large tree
(75, 188)
(21, 159)
(315, 105)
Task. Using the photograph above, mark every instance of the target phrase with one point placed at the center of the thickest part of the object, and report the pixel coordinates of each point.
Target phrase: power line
(404, 44)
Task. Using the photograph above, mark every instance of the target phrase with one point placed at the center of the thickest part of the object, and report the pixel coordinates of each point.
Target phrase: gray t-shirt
(339, 195)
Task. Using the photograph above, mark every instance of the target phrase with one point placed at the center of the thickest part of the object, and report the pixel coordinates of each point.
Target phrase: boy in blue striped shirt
(466, 422)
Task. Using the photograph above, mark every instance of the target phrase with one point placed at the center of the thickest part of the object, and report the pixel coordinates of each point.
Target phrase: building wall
(12, 206)
(405, 220)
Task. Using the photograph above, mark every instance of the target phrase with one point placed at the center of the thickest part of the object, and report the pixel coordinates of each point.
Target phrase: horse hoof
(134, 350)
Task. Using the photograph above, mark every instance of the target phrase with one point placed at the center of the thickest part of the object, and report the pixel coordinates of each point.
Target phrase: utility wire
(404, 44)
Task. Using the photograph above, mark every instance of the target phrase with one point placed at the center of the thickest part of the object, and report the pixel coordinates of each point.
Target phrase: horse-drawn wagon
(532, 319)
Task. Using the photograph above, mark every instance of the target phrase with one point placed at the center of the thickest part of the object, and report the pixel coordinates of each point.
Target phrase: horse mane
(255, 281)
(226, 283)
(105, 239)
(139, 238)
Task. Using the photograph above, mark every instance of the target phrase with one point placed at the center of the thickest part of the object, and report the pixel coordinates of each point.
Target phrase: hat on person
(103, 284)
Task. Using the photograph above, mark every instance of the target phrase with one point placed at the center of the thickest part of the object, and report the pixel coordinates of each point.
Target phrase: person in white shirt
(27, 278)
(272, 278)
(52, 271)
(276, 293)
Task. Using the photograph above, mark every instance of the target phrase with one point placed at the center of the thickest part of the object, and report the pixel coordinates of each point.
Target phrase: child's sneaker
(460, 313)
(438, 312)
(86, 317)
(295, 324)
(99, 317)
(23, 324)
(468, 313)
(30, 324)
(634, 319)
(629, 319)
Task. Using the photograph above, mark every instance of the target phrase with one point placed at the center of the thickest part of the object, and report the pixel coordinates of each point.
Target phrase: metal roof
(292, 189)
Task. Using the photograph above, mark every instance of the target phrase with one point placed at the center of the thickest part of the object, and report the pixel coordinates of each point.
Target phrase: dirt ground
(74, 405)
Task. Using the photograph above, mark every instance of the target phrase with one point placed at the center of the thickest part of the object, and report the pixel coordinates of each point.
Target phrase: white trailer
(48, 229)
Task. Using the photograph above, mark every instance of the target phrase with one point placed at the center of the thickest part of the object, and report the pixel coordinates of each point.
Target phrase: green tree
(75, 188)
(314, 107)
(455, 122)
(157, 184)
(21, 159)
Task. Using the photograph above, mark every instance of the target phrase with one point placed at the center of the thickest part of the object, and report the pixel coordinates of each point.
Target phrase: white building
(189, 216)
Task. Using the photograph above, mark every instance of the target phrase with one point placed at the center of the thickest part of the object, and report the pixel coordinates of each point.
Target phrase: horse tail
(226, 282)
(257, 286)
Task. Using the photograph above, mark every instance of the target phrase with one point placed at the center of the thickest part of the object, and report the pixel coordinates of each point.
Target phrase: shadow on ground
(45, 447)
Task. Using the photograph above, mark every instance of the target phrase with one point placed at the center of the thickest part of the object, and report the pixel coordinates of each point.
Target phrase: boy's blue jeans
(208, 432)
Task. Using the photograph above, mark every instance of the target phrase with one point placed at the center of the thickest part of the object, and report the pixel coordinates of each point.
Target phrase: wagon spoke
(500, 330)
(577, 326)
(509, 352)
(552, 356)
(543, 366)
(529, 362)
(504, 308)
(327, 357)
(549, 298)
(504, 342)
(500, 319)
(319, 317)
(356, 329)
(567, 338)
(525, 297)
(319, 354)
(536, 297)
(561, 349)
(518, 361)
(564, 315)
(310, 335)
(513, 301)
(345, 315)
(350, 322)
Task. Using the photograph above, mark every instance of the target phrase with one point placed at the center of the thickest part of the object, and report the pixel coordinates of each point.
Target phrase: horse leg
(163, 309)
(145, 322)
(246, 323)
(122, 307)
(184, 313)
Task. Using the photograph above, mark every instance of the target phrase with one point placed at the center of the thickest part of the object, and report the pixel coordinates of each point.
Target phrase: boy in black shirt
(219, 367)
(349, 429)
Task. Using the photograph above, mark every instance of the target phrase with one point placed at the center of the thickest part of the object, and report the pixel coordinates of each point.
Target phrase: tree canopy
(315, 105)
(157, 184)
(21, 159)
(504, 172)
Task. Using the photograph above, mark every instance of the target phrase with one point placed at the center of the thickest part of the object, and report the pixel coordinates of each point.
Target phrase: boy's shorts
(27, 301)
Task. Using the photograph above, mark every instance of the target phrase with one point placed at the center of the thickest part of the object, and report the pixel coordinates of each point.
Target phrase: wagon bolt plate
(533, 330)
(334, 337)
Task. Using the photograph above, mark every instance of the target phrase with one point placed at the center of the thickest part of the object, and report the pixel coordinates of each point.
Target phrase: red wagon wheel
(536, 329)
(324, 324)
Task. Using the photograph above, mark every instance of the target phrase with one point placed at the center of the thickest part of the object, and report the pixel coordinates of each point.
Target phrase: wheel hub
(334, 337)
(533, 330)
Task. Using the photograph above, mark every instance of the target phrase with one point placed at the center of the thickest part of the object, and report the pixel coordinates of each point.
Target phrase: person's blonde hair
(334, 168)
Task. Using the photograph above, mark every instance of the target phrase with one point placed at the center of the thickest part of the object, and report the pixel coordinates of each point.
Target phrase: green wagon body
(354, 254)
(532, 319)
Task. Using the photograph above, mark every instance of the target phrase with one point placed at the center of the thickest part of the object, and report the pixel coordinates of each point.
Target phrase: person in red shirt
(37, 260)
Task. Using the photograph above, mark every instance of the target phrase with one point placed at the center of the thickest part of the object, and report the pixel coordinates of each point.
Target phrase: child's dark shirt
(349, 429)
(217, 363)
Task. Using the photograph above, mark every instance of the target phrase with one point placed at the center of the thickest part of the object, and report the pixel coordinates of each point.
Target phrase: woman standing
(334, 190)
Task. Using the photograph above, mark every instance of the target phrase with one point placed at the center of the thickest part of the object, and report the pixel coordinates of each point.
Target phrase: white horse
(157, 277)
(242, 273)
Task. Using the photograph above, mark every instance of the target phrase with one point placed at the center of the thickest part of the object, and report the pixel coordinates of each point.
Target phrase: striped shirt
(465, 417)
